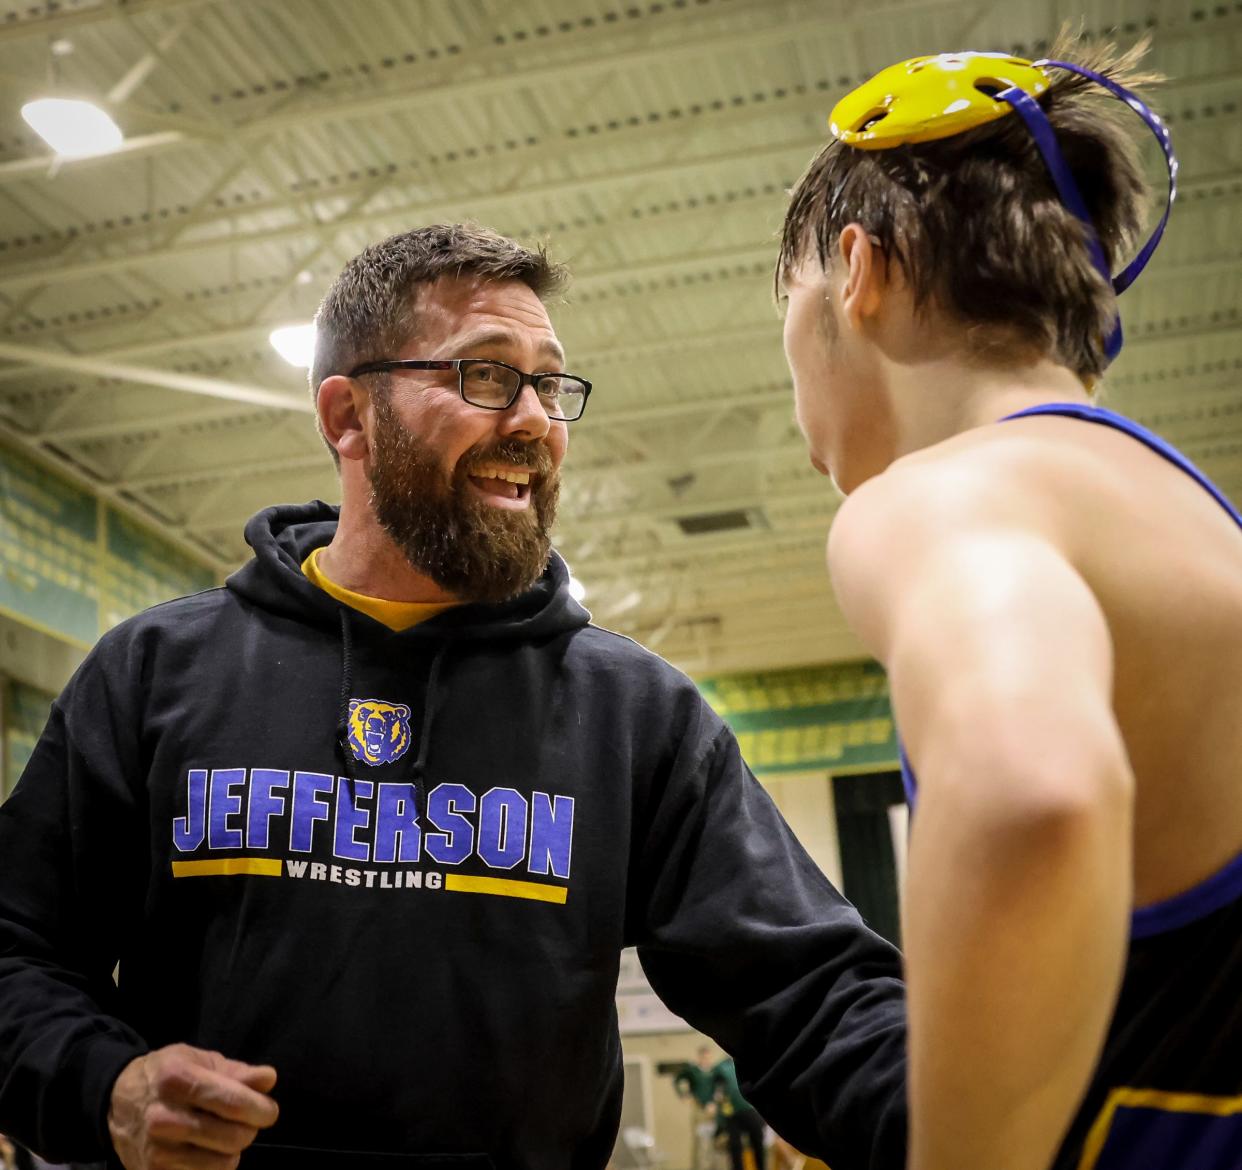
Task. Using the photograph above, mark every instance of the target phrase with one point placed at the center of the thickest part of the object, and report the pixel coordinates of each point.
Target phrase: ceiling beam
(102, 363)
(293, 463)
(690, 605)
(581, 147)
(761, 398)
(760, 332)
(270, 466)
(582, 150)
(56, 24)
(588, 278)
(732, 654)
(600, 419)
(780, 26)
(111, 428)
(706, 549)
(211, 338)
(50, 165)
(785, 25)
(822, 495)
(145, 375)
(443, 207)
(39, 274)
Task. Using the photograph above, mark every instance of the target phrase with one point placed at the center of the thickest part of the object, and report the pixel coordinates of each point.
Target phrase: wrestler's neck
(934, 400)
(363, 558)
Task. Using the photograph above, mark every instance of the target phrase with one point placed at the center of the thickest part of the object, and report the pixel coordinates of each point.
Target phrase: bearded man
(367, 829)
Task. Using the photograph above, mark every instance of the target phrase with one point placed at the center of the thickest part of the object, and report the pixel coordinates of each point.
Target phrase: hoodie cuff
(89, 1072)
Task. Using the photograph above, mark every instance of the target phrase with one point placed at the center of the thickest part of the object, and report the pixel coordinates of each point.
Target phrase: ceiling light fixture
(295, 343)
(72, 128)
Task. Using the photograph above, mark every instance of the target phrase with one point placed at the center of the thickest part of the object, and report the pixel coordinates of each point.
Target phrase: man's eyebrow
(554, 351)
(488, 337)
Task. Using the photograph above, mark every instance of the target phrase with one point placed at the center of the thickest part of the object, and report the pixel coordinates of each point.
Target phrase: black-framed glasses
(496, 385)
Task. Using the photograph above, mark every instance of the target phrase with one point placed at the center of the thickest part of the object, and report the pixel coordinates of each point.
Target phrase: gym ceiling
(650, 143)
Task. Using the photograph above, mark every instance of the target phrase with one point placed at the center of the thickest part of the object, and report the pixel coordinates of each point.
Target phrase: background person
(695, 1083)
(743, 1127)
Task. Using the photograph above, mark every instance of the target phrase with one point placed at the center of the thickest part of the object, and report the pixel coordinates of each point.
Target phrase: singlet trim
(1126, 1097)
(1101, 414)
(1212, 894)
(908, 780)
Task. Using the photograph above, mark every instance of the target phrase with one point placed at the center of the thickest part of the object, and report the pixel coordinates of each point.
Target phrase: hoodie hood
(285, 535)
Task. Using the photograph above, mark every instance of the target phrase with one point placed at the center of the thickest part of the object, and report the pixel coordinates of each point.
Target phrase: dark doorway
(868, 863)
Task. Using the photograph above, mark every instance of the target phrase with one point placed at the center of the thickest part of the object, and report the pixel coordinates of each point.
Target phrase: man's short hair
(371, 310)
(975, 222)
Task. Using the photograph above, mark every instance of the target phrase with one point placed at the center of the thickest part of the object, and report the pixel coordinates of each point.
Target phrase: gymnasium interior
(157, 295)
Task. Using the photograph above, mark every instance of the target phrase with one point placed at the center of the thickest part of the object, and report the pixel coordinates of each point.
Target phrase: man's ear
(341, 404)
(864, 273)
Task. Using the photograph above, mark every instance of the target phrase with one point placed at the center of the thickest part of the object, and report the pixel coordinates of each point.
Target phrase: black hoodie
(401, 867)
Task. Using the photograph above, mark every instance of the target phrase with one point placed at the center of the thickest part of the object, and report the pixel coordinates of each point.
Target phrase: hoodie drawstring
(347, 685)
(424, 742)
(346, 752)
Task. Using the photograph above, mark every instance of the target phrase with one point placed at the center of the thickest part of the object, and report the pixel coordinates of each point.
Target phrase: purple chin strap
(1045, 138)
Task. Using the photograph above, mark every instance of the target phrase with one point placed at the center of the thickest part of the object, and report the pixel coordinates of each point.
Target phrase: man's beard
(468, 547)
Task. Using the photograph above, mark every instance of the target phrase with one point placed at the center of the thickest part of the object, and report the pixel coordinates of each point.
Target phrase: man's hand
(184, 1108)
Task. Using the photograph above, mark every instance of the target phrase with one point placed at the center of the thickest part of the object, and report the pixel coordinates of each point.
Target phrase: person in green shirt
(739, 1117)
(697, 1080)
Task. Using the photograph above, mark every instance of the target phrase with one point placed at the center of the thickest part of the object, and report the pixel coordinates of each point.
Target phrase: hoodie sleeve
(742, 936)
(74, 854)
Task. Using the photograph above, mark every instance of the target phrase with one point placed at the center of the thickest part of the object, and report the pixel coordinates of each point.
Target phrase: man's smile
(503, 486)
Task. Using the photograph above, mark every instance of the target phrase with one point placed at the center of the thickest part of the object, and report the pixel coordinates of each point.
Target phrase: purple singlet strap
(1101, 414)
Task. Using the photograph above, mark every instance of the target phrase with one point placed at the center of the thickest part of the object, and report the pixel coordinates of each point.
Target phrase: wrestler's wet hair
(975, 222)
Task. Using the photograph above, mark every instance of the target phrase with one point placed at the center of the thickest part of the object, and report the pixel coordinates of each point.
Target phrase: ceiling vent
(733, 520)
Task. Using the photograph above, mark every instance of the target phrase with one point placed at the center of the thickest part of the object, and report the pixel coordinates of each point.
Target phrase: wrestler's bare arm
(1000, 666)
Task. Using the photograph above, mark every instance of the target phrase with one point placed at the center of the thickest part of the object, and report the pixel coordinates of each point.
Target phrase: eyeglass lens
(492, 385)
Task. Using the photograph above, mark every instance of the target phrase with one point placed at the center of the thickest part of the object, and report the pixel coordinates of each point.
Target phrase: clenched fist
(181, 1108)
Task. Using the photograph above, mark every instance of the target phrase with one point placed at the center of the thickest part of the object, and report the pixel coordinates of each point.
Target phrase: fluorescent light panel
(73, 129)
(295, 343)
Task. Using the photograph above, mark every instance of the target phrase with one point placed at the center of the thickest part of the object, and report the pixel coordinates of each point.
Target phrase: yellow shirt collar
(396, 615)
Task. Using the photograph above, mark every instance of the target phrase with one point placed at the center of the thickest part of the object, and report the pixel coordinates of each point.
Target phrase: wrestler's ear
(861, 274)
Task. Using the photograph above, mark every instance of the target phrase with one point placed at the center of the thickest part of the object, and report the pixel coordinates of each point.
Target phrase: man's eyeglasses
(496, 385)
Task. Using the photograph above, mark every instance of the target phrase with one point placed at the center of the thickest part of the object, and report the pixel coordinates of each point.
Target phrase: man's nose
(526, 416)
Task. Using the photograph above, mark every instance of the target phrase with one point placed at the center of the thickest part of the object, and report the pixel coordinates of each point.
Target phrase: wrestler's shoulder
(998, 475)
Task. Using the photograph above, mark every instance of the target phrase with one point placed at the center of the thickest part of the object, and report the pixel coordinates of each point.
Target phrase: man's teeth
(505, 474)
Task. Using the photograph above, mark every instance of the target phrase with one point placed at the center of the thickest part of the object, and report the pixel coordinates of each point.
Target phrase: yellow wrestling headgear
(927, 98)
(932, 97)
